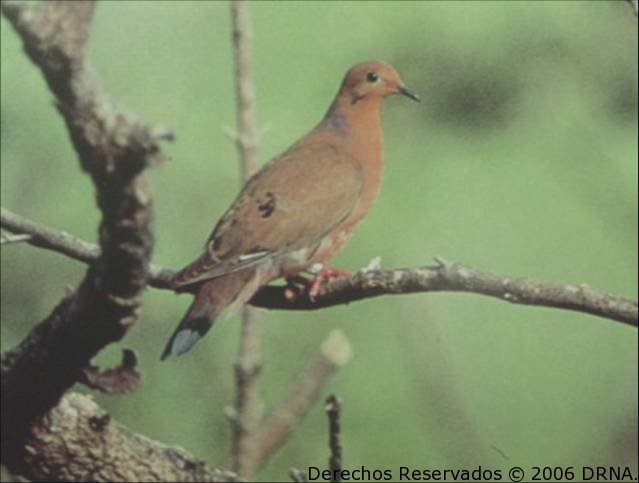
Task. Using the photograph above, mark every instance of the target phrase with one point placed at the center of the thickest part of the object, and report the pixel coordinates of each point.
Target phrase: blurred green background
(521, 159)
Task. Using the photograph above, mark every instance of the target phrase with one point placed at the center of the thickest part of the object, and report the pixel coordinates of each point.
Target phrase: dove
(297, 211)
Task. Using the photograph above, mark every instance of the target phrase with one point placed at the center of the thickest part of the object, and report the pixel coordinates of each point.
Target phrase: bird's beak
(405, 92)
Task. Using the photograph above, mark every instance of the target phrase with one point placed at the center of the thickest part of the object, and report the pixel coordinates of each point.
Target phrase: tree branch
(297, 475)
(247, 137)
(455, 277)
(77, 430)
(44, 237)
(335, 352)
(442, 277)
(248, 410)
(58, 241)
(8, 239)
(114, 148)
(333, 408)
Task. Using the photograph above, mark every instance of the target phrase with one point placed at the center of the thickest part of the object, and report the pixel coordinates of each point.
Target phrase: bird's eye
(372, 77)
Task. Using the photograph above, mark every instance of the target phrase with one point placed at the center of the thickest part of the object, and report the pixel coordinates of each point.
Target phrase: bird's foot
(297, 284)
(324, 275)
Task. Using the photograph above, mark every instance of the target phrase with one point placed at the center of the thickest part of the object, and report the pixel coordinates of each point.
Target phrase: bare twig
(247, 137)
(442, 277)
(333, 408)
(44, 237)
(248, 407)
(278, 425)
(247, 413)
(79, 441)
(6, 239)
(297, 475)
(114, 148)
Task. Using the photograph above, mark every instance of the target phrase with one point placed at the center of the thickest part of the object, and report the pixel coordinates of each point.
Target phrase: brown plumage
(298, 210)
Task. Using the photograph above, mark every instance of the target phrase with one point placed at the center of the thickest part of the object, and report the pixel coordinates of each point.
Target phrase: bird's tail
(232, 289)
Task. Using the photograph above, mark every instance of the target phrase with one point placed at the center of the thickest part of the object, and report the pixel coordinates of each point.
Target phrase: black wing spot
(267, 206)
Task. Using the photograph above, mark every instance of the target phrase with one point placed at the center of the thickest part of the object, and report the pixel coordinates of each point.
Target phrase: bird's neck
(358, 125)
(357, 128)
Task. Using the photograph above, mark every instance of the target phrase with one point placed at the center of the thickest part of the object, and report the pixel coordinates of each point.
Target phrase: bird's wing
(292, 203)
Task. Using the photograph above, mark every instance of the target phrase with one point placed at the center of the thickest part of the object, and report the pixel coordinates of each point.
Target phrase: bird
(297, 211)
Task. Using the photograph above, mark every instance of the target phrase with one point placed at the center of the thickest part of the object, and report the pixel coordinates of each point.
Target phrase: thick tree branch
(247, 413)
(78, 441)
(442, 277)
(114, 148)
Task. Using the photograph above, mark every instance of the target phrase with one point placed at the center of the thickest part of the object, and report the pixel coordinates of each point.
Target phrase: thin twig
(247, 137)
(441, 277)
(248, 407)
(44, 237)
(297, 475)
(333, 408)
(335, 352)
(6, 239)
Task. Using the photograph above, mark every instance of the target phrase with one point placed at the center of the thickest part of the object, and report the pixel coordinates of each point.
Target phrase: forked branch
(114, 148)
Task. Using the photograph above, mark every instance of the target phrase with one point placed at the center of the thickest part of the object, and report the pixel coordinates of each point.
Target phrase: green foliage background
(521, 159)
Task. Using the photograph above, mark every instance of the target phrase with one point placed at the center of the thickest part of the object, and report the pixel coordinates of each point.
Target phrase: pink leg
(324, 275)
(313, 285)
(293, 282)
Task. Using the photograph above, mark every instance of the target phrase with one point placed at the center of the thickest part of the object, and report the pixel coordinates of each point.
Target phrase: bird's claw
(294, 284)
(321, 275)
(324, 275)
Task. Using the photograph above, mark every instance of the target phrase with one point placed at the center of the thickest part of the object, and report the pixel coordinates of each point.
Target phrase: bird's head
(373, 80)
